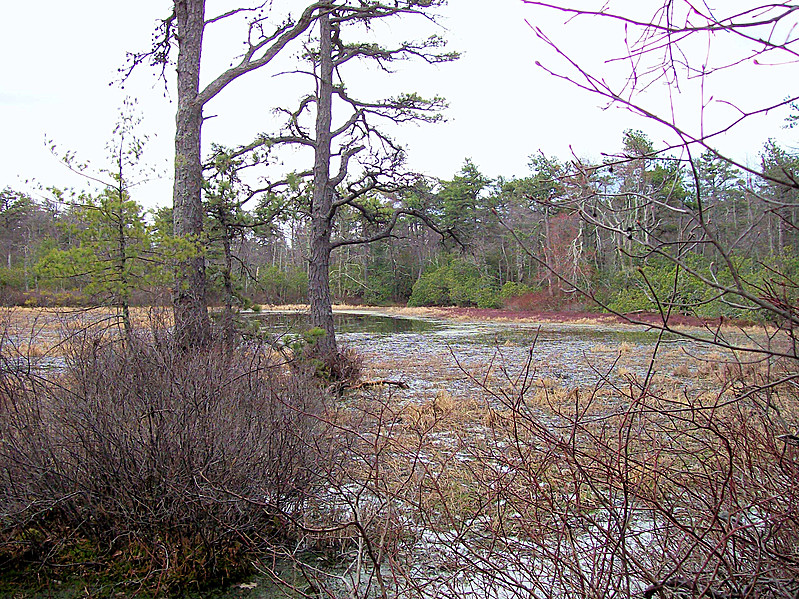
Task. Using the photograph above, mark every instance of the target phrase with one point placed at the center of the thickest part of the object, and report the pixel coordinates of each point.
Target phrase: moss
(82, 568)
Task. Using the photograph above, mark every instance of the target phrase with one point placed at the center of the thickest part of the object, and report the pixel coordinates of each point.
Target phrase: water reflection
(346, 323)
(431, 354)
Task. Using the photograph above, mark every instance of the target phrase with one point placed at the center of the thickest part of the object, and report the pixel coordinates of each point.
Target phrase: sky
(59, 82)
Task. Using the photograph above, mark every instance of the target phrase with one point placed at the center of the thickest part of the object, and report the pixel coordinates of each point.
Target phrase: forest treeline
(566, 235)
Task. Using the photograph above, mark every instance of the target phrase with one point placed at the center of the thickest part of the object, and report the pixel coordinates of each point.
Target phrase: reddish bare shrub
(545, 301)
(654, 495)
(182, 463)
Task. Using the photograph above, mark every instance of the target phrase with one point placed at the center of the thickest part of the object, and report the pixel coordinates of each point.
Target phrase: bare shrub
(181, 463)
(357, 535)
(659, 494)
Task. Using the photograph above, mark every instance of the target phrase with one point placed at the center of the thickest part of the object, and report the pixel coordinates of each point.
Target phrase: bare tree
(186, 25)
(689, 496)
(662, 48)
(685, 46)
(355, 138)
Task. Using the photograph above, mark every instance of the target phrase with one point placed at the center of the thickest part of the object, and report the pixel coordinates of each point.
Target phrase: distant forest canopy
(541, 242)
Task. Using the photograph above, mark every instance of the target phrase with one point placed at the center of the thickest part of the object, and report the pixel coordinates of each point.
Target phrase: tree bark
(123, 300)
(192, 326)
(322, 203)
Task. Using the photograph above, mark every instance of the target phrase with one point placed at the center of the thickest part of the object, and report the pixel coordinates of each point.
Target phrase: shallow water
(432, 356)
(280, 323)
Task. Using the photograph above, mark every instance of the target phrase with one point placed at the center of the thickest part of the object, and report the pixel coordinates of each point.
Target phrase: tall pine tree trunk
(322, 204)
(192, 326)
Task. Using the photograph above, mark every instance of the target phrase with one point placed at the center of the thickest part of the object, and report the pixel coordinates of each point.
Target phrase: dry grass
(36, 332)
(454, 402)
(453, 446)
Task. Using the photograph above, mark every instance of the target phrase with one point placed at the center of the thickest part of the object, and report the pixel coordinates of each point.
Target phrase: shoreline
(635, 320)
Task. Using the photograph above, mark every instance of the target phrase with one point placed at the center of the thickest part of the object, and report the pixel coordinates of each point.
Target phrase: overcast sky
(60, 61)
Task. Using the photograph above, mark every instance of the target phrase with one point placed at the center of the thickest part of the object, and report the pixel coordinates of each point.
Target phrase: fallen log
(380, 383)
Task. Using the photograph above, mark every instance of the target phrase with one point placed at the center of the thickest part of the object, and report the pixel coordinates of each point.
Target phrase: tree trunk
(123, 301)
(227, 282)
(322, 202)
(192, 326)
(548, 261)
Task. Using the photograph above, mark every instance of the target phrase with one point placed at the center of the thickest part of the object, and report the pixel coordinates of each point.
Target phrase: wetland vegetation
(591, 389)
(513, 455)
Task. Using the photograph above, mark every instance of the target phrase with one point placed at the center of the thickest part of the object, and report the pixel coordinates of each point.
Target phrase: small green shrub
(652, 286)
(344, 367)
(278, 286)
(455, 283)
(514, 289)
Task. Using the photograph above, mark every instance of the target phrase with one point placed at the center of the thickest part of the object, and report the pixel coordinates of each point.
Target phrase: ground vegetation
(144, 471)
